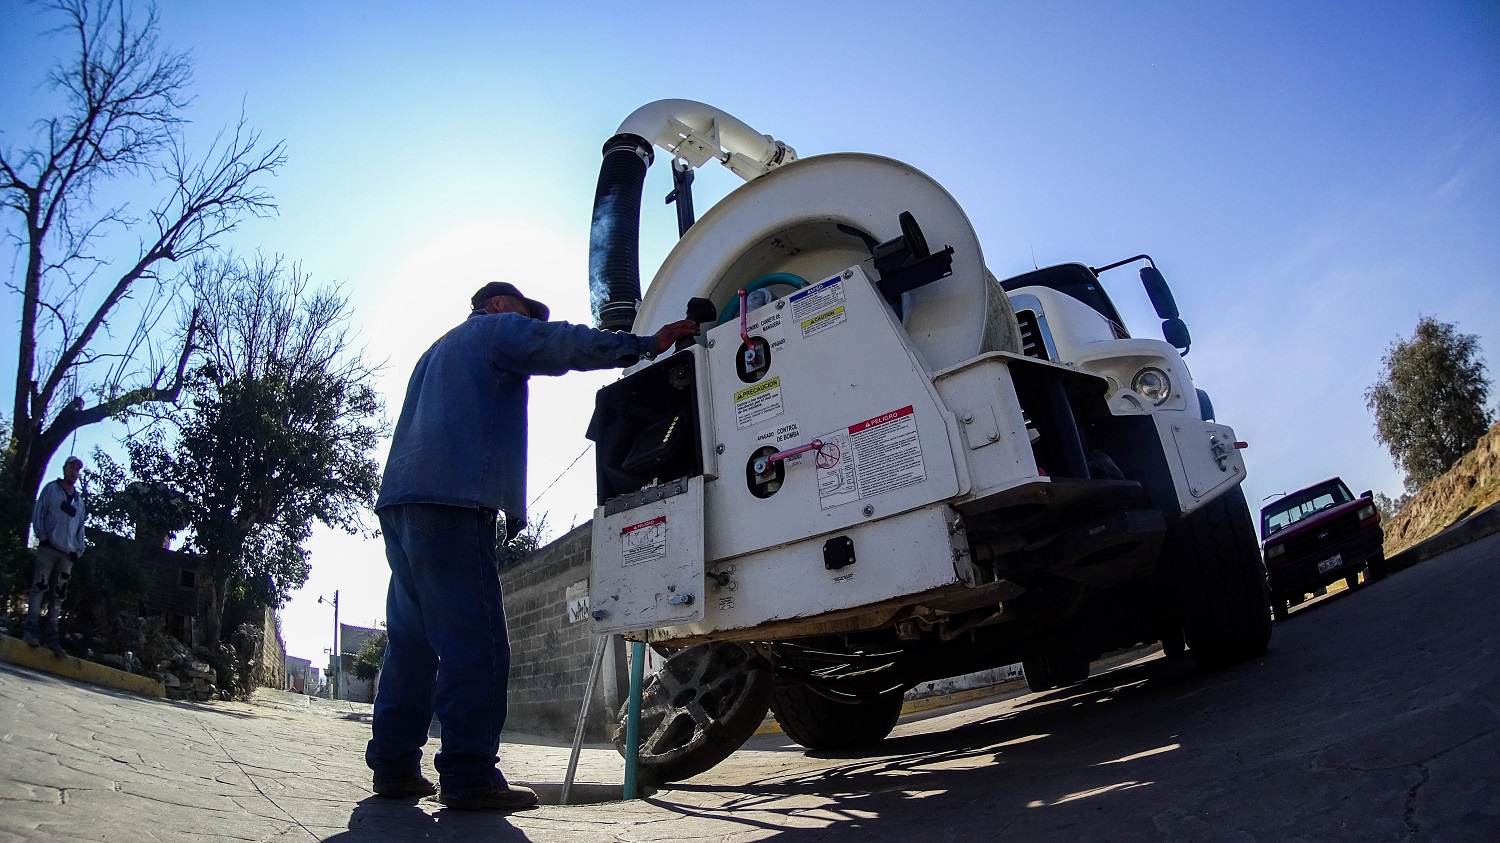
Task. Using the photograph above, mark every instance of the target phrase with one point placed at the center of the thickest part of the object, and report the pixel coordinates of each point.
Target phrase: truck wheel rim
(697, 691)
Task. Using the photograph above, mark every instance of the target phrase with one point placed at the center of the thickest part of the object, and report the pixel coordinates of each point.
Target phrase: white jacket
(58, 518)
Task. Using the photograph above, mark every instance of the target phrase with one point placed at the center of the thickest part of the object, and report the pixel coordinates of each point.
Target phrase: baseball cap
(505, 288)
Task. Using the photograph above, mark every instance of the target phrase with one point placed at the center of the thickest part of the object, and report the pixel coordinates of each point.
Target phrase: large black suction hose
(615, 238)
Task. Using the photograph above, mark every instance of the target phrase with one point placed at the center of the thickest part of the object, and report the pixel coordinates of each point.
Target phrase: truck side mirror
(1175, 331)
(1367, 494)
(1160, 293)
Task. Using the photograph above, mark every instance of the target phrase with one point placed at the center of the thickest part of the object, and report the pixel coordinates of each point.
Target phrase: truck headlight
(1367, 512)
(1275, 550)
(1153, 385)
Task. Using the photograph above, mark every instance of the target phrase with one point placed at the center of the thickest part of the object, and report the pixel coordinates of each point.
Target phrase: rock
(170, 680)
(201, 669)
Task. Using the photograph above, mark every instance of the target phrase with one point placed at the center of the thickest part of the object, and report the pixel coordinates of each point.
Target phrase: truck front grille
(1031, 335)
(1318, 542)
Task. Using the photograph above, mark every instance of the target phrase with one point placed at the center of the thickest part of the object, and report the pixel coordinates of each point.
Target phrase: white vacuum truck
(879, 465)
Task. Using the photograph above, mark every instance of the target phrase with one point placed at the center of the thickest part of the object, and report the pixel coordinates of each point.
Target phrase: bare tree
(124, 97)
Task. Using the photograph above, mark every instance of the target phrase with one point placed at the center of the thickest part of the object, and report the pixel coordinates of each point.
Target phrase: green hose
(633, 718)
(732, 309)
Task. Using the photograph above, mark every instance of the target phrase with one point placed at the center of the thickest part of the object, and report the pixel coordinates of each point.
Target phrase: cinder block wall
(551, 655)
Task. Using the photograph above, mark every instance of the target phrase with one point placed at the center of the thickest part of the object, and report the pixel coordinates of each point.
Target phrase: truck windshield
(1298, 505)
(1073, 279)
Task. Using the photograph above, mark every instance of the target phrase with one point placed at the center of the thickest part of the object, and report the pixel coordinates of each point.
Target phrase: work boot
(30, 638)
(404, 788)
(503, 798)
(55, 645)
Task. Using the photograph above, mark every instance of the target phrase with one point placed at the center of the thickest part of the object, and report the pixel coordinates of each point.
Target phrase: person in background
(57, 521)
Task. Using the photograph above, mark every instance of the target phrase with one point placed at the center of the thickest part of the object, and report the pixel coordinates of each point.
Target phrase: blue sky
(1310, 177)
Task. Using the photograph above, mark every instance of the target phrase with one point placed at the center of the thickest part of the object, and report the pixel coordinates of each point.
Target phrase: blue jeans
(447, 653)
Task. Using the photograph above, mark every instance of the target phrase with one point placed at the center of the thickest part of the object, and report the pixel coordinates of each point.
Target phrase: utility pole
(336, 681)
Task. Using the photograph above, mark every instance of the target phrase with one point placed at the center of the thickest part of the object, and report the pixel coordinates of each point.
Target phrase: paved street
(1375, 716)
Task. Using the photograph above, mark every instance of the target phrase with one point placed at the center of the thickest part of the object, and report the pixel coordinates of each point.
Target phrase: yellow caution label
(822, 317)
(750, 391)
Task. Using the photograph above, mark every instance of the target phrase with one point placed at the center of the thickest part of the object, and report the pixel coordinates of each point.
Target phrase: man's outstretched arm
(531, 347)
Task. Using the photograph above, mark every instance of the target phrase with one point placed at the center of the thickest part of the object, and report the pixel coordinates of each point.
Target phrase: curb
(18, 652)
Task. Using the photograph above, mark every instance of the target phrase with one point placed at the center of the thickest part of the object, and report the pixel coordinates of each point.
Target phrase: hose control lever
(828, 455)
(752, 356)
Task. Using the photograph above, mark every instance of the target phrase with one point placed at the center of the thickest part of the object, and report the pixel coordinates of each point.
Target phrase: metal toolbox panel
(647, 565)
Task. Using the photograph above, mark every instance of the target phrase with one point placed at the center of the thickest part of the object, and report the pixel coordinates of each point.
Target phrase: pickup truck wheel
(697, 710)
(1221, 582)
(1376, 571)
(1038, 674)
(1279, 609)
(817, 722)
(1351, 582)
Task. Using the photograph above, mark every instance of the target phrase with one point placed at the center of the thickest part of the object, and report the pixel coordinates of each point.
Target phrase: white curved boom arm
(695, 132)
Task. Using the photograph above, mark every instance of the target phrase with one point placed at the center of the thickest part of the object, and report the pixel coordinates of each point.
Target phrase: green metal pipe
(633, 716)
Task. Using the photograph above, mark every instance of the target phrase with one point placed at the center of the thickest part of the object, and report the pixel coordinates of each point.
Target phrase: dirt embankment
(1469, 486)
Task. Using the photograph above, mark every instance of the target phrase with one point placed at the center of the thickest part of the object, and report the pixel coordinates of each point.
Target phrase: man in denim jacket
(57, 521)
(458, 457)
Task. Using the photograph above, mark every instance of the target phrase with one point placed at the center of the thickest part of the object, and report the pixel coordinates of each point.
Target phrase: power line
(560, 476)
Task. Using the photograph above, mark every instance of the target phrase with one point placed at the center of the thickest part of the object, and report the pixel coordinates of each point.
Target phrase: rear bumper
(1300, 574)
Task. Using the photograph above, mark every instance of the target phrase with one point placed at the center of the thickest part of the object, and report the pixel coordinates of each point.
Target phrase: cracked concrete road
(1375, 716)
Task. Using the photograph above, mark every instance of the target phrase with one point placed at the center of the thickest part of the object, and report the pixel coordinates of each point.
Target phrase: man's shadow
(379, 819)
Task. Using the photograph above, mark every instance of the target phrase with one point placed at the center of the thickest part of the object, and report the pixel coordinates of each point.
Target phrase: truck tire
(1038, 674)
(697, 710)
(817, 722)
(1223, 595)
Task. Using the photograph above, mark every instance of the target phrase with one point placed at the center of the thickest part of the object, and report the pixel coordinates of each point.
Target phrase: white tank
(789, 219)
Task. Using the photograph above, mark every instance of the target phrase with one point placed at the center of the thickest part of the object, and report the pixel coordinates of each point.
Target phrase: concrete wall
(551, 652)
(270, 668)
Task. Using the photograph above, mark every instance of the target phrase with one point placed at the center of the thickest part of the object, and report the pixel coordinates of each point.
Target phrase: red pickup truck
(1316, 536)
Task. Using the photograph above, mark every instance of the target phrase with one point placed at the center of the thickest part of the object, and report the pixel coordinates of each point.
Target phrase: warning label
(877, 455)
(823, 321)
(820, 307)
(646, 541)
(755, 404)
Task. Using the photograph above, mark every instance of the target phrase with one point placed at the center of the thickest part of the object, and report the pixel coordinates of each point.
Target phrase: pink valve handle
(744, 320)
(752, 356)
(764, 463)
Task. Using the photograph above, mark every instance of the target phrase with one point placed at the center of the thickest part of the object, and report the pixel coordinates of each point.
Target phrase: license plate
(1329, 564)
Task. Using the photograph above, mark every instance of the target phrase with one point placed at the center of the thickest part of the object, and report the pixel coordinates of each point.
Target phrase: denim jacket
(461, 436)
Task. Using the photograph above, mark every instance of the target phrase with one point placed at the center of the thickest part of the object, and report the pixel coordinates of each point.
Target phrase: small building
(352, 639)
(175, 585)
(301, 676)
